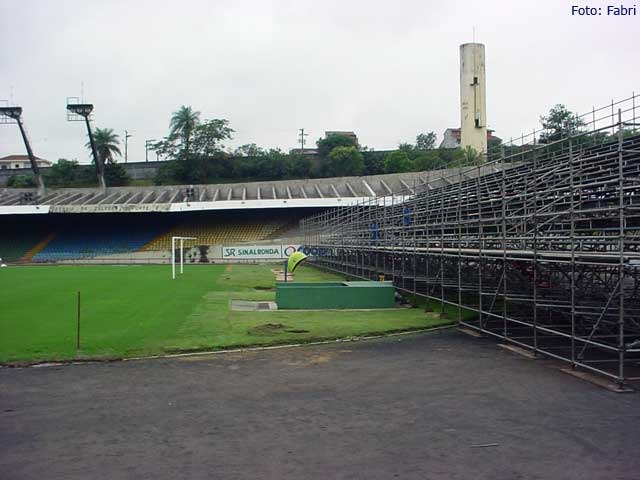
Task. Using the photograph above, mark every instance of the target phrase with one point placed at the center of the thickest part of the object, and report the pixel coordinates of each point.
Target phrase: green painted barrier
(325, 295)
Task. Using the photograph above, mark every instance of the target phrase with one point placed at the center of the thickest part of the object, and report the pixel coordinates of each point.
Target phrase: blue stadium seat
(80, 242)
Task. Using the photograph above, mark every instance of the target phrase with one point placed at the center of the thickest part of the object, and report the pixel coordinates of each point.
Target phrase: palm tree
(182, 124)
(107, 144)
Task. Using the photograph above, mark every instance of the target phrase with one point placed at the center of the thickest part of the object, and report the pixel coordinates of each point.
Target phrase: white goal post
(173, 254)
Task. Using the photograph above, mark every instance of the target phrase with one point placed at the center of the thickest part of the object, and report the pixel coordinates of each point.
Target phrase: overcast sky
(387, 70)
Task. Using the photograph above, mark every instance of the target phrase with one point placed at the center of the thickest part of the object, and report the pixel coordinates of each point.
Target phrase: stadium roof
(314, 193)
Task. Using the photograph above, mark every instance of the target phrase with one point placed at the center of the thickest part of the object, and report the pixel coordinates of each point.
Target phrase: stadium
(185, 294)
(540, 243)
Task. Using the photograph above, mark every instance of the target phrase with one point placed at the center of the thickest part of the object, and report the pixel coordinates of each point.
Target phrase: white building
(12, 162)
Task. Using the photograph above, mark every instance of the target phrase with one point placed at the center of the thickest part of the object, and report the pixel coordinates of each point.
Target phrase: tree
(471, 157)
(107, 144)
(559, 123)
(397, 162)
(205, 140)
(115, 174)
(248, 150)
(430, 160)
(208, 137)
(326, 145)
(426, 141)
(63, 172)
(182, 125)
(298, 166)
(407, 148)
(345, 161)
(373, 163)
(21, 181)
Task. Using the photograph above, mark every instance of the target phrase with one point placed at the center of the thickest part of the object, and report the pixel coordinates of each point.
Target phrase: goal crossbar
(173, 254)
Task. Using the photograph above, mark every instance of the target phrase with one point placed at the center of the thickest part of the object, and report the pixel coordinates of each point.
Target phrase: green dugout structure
(334, 295)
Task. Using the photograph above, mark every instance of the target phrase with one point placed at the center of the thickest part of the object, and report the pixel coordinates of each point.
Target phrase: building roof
(340, 132)
(21, 158)
(306, 151)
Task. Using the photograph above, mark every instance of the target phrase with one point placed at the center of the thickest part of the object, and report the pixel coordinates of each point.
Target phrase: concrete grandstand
(135, 224)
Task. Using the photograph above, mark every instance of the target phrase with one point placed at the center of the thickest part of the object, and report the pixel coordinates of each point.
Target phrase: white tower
(473, 96)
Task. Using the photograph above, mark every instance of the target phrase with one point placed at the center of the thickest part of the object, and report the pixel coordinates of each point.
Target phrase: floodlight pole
(16, 114)
(84, 110)
(96, 156)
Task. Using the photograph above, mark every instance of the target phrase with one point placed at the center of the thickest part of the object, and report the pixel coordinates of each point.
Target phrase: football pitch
(129, 311)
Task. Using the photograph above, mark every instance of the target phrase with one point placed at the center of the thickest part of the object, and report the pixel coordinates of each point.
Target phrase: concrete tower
(473, 96)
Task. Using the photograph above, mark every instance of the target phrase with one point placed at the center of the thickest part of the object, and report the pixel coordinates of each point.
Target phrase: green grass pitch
(138, 310)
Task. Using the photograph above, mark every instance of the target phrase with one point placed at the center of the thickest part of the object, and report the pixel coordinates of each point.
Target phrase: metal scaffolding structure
(541, 242)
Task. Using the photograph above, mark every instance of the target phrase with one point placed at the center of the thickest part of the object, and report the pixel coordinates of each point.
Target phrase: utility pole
(147, 145)
(126, 144)
(302, 141)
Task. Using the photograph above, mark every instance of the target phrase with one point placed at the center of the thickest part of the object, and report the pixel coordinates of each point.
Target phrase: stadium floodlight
(15, 113)
(173, 254)
(79, 112)
(82, 109)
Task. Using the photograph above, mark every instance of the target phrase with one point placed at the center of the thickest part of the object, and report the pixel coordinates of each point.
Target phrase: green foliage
(431, 160)
(204, 140)
(326, 145)
(115, 175)
(208, 137)
(267, 165)
(471, 157)
(559, 123)
(373, 162)
(345, 161)
(182, 125)
(107, 144)
(407, 148)
(299, 166)
(21, 181)
(426, 141)
(248, 150)
(67, 173)
(192, 169)
(440, 158)
(397, 162)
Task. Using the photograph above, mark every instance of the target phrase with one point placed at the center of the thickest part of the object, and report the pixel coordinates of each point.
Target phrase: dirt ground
(433, 406)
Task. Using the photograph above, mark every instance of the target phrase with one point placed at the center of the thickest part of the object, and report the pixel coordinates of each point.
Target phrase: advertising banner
(251, 252)
(265, 252)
